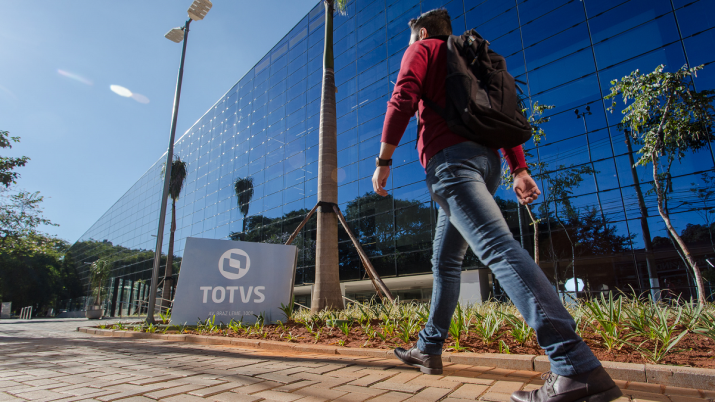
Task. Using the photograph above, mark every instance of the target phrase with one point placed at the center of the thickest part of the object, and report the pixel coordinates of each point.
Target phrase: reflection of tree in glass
(537, 120)
(560, 187)
(244, 191)
(124, 260)
(381, 233)
(668, 118)
(705, 195)
(176, 184)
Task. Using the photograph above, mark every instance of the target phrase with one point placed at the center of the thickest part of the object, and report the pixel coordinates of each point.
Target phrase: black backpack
(482, 101)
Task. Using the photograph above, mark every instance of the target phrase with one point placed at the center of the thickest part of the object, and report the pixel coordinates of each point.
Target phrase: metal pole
(167, 178)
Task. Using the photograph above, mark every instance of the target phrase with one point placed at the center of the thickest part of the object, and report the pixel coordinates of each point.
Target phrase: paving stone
(645, 396)
(44, 395)
(644, 387)
(469, 380)
(216, 389)
(277, 396)
(233, 397)
(78, 390)
(76, 379)
(165, 393)
(283, 375)
(44, 383)
(677, 398)
(391, 397)
(240, 379)
(368, 380)
(258, 387)
(200, 380)
(433, 381)
(319, 393)
(429, 394)
(130, 389)
(351, 371)
(495, 397)
(353, 397)
(7, 397)
(469, 391)
(360, 390)
(506, 387)
(294, 386)
(677, 391)
(152, 380)
(9, 384)
(396, 386)
(404, 377)
(184, 398)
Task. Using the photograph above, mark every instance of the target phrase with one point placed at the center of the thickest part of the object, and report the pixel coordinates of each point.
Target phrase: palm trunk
(536, 234)
(169, 271)
(683, 248)
(326, 291)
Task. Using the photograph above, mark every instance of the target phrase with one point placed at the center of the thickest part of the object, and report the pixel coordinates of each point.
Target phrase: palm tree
(176, 184)
(244, 191)
(326, 291)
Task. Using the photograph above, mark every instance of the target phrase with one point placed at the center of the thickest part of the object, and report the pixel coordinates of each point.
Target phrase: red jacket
(424, 71)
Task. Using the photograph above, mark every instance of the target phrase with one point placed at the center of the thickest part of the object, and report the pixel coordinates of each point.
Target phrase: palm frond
(244, 191)
(341, 6)
(178, 177)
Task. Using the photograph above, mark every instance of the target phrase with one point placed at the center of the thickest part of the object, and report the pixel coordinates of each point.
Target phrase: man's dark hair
(436, 22)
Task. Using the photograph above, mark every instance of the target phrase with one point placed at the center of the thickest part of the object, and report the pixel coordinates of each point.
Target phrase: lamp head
(175, 35)
(198, 9)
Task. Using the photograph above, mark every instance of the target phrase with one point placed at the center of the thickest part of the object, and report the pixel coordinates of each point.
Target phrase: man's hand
(525, 188)
(379, 179)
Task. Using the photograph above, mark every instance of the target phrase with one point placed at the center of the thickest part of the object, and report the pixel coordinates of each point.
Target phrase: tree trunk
(686, 252)
(654, 282)
(169, 271)
(536, 234)
(326, 291)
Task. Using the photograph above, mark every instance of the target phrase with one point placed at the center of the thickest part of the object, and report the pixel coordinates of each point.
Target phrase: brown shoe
(428, 364)
(593, 386)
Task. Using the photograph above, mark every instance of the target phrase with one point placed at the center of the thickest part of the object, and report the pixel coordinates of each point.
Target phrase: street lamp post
(197, 11)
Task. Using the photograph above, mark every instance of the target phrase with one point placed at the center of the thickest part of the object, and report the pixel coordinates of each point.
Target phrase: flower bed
(616, 329)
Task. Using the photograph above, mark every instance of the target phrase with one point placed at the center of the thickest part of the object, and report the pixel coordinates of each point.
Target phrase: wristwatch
(383, 162)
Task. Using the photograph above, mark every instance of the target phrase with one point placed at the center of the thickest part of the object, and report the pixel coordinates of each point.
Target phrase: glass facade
(566, 53)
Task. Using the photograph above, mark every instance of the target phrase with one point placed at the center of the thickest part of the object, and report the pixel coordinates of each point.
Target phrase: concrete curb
(670, 376)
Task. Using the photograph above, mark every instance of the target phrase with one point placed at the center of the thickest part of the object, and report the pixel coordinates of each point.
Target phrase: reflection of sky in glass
(266, 127)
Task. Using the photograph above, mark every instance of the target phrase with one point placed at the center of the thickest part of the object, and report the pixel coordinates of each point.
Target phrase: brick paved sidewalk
(45, 360)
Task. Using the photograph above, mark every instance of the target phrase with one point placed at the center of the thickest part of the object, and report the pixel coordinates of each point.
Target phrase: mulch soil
(693, 350)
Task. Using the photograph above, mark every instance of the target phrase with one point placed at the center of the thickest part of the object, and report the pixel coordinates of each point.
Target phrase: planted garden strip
(664, 375)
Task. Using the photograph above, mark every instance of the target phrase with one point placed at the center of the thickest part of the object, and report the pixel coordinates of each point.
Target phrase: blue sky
(88, 145)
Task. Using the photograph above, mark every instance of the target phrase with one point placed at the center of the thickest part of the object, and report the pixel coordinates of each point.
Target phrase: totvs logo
(233, 264)
(232, 260)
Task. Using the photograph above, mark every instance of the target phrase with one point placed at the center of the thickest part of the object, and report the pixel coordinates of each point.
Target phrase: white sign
(233, 280)
(5, 310)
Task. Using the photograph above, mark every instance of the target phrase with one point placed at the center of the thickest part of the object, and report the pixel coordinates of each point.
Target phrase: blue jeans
(462, 179)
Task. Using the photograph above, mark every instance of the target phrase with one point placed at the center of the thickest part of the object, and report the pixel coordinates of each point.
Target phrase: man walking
(462, 177)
